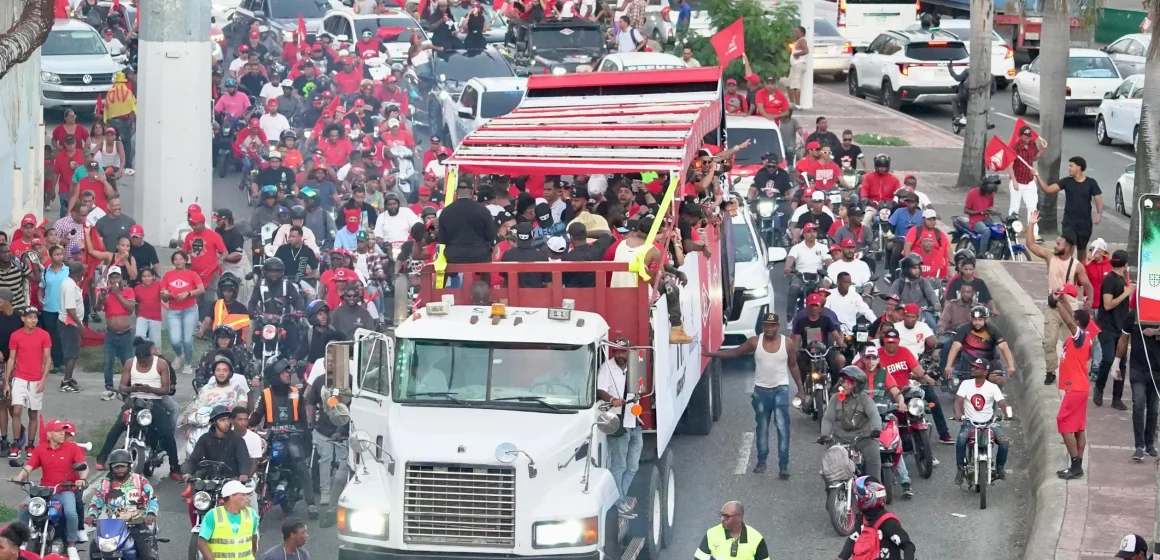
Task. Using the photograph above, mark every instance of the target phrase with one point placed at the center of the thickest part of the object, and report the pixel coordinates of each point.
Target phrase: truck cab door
(374, 358)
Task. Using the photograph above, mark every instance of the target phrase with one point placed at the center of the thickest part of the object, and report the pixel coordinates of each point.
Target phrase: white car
(629, 61)
(351, 25)
(907, 67)
(752, 288)
(1129, 52)
(1090, 76)
(765, 137)
(1126, 191)
(482, 99)
(660, 24)
(1119, 117)
(1002, 55)
(75, 66)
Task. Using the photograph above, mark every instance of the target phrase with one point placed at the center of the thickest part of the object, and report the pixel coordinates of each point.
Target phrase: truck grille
(459, 504)
(79, 79)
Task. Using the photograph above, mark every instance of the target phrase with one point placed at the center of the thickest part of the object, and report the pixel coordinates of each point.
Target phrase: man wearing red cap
(22, 238)
(424, 197)
(56, 460)
(819, 327)
(735, 103)
(1073, 380)
(143, 253)
(206, 250)
(807, 164)
(903, 366)
(390, 93)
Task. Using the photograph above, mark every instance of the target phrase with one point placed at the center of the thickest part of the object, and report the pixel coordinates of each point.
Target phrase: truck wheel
(698, 417)
(612, 546)
(646, 487)
(718, 406)
(668, 498)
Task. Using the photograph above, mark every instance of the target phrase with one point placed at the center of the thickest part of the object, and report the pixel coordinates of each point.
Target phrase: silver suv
(76, 67)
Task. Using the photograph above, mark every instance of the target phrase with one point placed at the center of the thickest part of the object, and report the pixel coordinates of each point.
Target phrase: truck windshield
(765, 141)
(80, 42)
(512, 375)
(499, 103)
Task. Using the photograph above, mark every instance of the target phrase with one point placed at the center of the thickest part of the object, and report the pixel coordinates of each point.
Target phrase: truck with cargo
(1019, 22)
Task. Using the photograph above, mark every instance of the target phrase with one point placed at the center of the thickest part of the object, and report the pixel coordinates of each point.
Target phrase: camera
(1052, 301)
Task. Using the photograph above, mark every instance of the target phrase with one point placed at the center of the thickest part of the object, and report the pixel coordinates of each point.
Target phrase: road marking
(743, 453)
(1125, 156)
(1112, 447)
(1013, 117)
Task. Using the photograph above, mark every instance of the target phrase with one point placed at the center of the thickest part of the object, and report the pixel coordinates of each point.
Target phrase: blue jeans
(182, 325)
(773, 403)
(983, 228)
(965, 430)
(1097, 357)
(903, 474)
(63, 203)
(68, 506)
(624, 452)
(118, 346)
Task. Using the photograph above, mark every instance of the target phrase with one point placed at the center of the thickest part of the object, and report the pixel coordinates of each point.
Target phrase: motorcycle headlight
(202, 501)
(144, 417)
(37, 507)
(362, 522)
(571, 532)
(815, 376)
(107, 544)
(1017, 226)
(884, 214)
(765, 208)
(49, 78)
(916, 407)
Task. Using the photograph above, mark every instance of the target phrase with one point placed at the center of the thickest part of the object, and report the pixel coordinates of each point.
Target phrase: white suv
(906, 67)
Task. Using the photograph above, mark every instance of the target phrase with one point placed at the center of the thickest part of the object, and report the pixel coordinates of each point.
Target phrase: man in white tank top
(775, 360)
(1062, 269)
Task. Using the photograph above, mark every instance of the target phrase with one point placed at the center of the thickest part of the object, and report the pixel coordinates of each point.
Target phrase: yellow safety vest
(223, 317)
(225, 543)
(721, 546)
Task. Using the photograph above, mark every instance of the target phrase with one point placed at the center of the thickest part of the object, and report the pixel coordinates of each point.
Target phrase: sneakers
(109, 394)
(1151, 451)
(783, 474)
(72, 553)
(82, 534)
(625, 511)
(1049, 379)
(99, 466)
(1000, 474)
(1119, 405)
(677, 335)
(760, 468)
(946, 440)
(178, 363)
(187, 370)
(934, 462)
(1137, 456)
(1070, 473)
(70, 386)
(907, 493)
(959, 476)
(14, 452)
(312, 511)
(1098, 397)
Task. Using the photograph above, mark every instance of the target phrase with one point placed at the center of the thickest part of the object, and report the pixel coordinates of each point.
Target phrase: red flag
(301, 33)
(60, 9)
(998, 156)
(729, 42)
(116, 6)
(421, 11)
(497, 5)
(1019, 124)
(401, 3)
(100, 107)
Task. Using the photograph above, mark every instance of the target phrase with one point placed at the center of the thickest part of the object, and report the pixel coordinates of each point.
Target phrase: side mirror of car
(1025, 67)
(465, 113)
(777, 254)
(1110, 95)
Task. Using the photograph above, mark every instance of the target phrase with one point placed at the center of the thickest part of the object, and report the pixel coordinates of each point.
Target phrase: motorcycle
(277, 484)
(857, 338)
(841, 467)
(113, 540)
(46, 517)
(770, 211)
(890, 447)
(979, 470)
(270, 338)
(1004, 243)
(225, 132)
(141, 440)
(914, 428)
(206, 495)
(405, 167)
(810, 282)
(817, 382)
(853, 177)
(263, 248)
(882, 230)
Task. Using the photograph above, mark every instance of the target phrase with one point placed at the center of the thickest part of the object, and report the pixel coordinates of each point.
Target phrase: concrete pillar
(174, 115)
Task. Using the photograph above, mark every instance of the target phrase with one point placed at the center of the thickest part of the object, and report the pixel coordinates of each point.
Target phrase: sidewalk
(1117, 496)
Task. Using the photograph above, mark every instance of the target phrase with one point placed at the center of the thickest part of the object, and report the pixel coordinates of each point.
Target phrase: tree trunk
(979, 100)
(1148, 142)
(1053, 57)
(27, 34)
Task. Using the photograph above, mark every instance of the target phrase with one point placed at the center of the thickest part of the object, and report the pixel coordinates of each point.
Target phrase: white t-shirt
(390, 228)
(273, 125)
(435, 168)
(611, 380)
(914, 339)
(979, 402)
(235, 393)
(627, 40)
(270, 91)
(236, 65)
(810, 259)
(858, 270)
(71, 298)
(254, 444)
(587, 8)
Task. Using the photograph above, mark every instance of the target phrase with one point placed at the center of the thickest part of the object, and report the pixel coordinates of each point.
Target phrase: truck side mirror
(636, 370)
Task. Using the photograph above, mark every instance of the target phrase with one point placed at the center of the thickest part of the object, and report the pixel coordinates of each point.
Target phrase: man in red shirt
(1073, 380)
(55, 459)
(22, 238)
(25, 374)
(902, 365)
(770, 102)
(880, 185)
(393, 135)
(429, 155)
(807, 164)
(96, 183)
(347, 80)
(735, 103)
(336, 148)
(980, 200)
(390, 93)
(424, 196)
(929, 228)
(64, 165)
(206, 250)
(1022, 185)
(934, 260)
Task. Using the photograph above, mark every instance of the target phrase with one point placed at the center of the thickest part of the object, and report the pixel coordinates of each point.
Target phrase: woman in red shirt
(148, 294)
(69, 126)
(180, 288)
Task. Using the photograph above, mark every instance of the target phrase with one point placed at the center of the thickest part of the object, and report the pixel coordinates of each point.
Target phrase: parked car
(482, 99)
(1126, 191)
(1119, 118)
(445, 75)
(1002, 55)
(752, 289)
(832, 52)
(280, 15)
(861, 21)
(557, 46)
(1128, 53)
(75, 66)
(629, 61)
(1090, 76)
(907, 67)
(395, 45)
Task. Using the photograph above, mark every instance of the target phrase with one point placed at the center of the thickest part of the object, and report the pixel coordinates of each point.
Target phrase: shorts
(70, 341)
(1072, 415)
(24, 394)
(797, 73)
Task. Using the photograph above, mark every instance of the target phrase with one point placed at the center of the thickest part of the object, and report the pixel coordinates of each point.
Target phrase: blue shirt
(540, 235)
(346, 239)
(685, 13)
(903, 221)
(51, 282)
(326, 192)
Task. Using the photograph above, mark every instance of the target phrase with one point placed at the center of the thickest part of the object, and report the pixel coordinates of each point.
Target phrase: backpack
(868, 546)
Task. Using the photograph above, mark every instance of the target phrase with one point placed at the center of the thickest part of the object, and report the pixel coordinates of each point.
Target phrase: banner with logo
(1148, 264)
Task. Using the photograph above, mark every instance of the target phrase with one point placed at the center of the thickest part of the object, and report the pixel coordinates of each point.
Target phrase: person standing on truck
(626, 250)
(774, 357)
(624, 446)
(466, 228)
(525, 251)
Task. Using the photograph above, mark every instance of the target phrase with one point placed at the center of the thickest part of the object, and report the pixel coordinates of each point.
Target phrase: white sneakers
(177, 363)
(82, 534)
(72, 553)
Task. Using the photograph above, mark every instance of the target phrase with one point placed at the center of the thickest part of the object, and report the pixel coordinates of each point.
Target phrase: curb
(851, 100)
(1022, 323)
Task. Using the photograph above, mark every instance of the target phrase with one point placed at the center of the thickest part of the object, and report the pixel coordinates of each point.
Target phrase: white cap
(818, 195)
(556, 244)
(870, 351)
(234, 487)
(929, 213)
(391, 123)
(113, 270)
(1098, 245)
(286, 83)
(597, 185)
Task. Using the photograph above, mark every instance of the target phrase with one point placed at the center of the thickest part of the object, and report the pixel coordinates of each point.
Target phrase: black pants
(300, 464)
(673, 303)
(51, 323)
(144, 540)
(1144, 408)
(162, 427)
(870, 262)
(1108, 341)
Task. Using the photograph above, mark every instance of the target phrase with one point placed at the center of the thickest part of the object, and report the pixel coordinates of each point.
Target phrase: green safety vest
(722, 546)
(879, 387)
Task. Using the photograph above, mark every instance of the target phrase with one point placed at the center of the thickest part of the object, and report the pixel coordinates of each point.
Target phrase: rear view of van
(860, 21)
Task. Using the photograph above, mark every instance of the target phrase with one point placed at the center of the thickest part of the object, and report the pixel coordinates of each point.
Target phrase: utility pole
(807, 15)
(173, 115)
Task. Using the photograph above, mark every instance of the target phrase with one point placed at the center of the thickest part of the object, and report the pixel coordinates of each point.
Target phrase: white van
(860, 21)
(752, 288)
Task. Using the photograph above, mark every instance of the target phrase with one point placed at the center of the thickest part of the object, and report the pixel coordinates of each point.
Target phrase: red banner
(301, 39)
(729, 43)
(998, 156)
(1019, 124)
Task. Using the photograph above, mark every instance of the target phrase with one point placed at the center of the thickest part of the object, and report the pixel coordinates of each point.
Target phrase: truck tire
(698, 417)
(612, 546)
(718, 406)
(668, 498)
(646, 487)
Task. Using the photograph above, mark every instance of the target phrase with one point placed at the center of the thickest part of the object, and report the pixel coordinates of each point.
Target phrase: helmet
(297, 213)
(273, 264)
(269, 191)
(224, 331)
(910, 262)
(219, 411)
(990, 184)
(391, 196)
(308, 194)
(316, 306)
(275, 369)
(228, 282)
(229, 82)
(856, 375)
(288, 133)
(882, 160)
(869, 493)
(119, 457)
(223, 360)
(964, 255)
(283, 210)
(980, 312)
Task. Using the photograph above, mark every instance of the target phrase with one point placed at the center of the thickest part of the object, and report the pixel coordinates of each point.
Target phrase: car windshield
(399, 29)
(516, 375)
(499, 103)
(567, 38)
(823, 28)
(458, 67)
(937, 51)
(764, 141)
(291, 9)
(744, 249)
(1091, 67)
(73, 43)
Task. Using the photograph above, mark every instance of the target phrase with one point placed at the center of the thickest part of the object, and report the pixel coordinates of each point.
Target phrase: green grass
(7, 513)
(867, 139)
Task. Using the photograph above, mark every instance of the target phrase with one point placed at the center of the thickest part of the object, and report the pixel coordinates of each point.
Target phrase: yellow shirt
(119, 102)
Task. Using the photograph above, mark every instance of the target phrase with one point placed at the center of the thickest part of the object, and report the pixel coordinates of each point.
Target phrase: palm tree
(979, 100)
(27, 32)
(1148, 141)
(1055, 40)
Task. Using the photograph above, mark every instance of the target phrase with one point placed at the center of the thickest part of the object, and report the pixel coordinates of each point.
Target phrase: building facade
(21, 135)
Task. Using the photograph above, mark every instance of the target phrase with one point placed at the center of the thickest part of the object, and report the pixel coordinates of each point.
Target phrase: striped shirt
(68, 228)
(15, 278)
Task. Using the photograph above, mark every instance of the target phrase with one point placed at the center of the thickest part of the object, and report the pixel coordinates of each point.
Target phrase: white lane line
(1013, 117)
(743, 453)
(1125, 156)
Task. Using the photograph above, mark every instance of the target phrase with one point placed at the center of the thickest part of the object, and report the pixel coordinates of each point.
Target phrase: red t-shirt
(917, 234)
(179, 282)
(203, 249)
(1073, 365)
(417, 207)
(743, 105)
(400, 138)
(934, 264)
(29, 349)
(535, 186)
(65, 165)
(56, 465)
(19, 244)
(774, 104)
(977, 202)
(98, 190)
(825, 175)
(80, 133)
(333, 298)
(879, 187)
(338, 153)
(148, 301)
(113, 307)
(348, 82)
(898, 365)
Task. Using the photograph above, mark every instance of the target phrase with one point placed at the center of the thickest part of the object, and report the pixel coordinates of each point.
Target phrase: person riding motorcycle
(851, 414)
(878, 186)
(275, 295)
(771, 175)
(313, 343)
(320, 222)
(267, 210)
(978, 216)
(222, 445)
(228, 311)
(281, 406)
(297, 218)
(225, 341)
(894, 542)
(911, 287)
(979, 339)
(225, 388)
(962, 91)
(124, 494)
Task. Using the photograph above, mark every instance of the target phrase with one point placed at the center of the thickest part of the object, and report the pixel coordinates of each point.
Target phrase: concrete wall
(21, 136)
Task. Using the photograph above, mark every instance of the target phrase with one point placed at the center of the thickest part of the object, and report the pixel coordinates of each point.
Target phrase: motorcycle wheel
(140, 461)
(888, 482)
(223, 165)
(956, 126)
(194, 553)
(920, 443)
(841, 512)
(984, 473)
(819, 405)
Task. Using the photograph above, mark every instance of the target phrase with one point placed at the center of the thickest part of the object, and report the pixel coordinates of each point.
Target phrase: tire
(668, 498)
(965, 243)
(889, 96)
(718, 406)
(698, 417)
(1021, 256)
(1002, 83)
(612, 546)
(852, 83)
(223, 165)
(1102, 132)
(842, 517)
(923, 459)
(649, 505)
(887, 476)
(983, 469)
(194, 553)
(956, 127)
(1017, 105)
(1120, 200)
(820, 399)
(140, 461)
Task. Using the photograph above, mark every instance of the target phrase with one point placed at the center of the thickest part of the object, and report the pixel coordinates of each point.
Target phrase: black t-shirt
(8, 325)
(593, 251)
(146, 257)
(232, 239)
(528, 254)
(979, 344)
(982, 294)
(1112, 321)
(823, 221)
(1077, 209)
(282, 178)
(779, 178)
(252, 83)
(297, 260)
(323, 425)
(815, 329)
(1138, 360)
(846, 158)
(826, 138)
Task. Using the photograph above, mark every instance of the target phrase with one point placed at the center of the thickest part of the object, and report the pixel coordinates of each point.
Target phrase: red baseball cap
(1067, 290)
(809, 226)
(814, 299)
(255, 35)
(54, 425)
(753, 79)
(193, 208)
(136, 231)
(28, 220)
(317, 47)
(849, 242)
(807, 193)
(910, 309)
(425, 190)
(196, 218)
(731, 81)
(891, 336)
(815, 145)
(69, 427)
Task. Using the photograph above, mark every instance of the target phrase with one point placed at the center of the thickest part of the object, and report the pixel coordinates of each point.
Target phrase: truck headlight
(144, 417)
(362, 522)
(571, 532)
(202, 501)
(37, 507)
(757, 293)
(49, 78)
(765, 208)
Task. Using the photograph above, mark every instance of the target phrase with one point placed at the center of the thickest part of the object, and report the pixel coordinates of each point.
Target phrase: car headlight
(916, 407)
(571, 532)
(49, 78)
(559, 71)
(37, 507)
(144, 417)
(1017, 226)
(107, 544)
(362, 522)
(202, 501)
(757, 293)
(765, 208)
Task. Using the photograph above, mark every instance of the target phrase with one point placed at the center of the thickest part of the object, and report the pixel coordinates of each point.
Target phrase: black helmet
(224, 331)
(119, 457)
(283, 210)
(288, 133)
(275, 369)
(221, 359)
(273, 264)
(882, 160)
(856, 375)
(964, 256)
(980, 312)
(228, 282)
(219, 411)
(314, 308)
(297, 213)
(990, 184)
(911, 261)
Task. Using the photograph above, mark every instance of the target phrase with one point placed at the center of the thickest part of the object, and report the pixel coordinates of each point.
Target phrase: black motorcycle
(206, 495)
(810, 282)
(278, 484)
(271, 340)
(816, 379)
(141, 440)
(225, 133)
(770, 209)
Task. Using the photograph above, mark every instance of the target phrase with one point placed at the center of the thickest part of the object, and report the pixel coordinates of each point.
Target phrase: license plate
(835, 199)
(861, 337)
(1091, 110)
(880, 19)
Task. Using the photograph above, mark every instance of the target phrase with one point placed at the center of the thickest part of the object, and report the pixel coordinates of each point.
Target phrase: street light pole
(807, 92)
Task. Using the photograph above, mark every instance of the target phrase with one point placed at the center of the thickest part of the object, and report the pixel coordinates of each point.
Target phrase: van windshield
(75, 42)
(533, 376)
